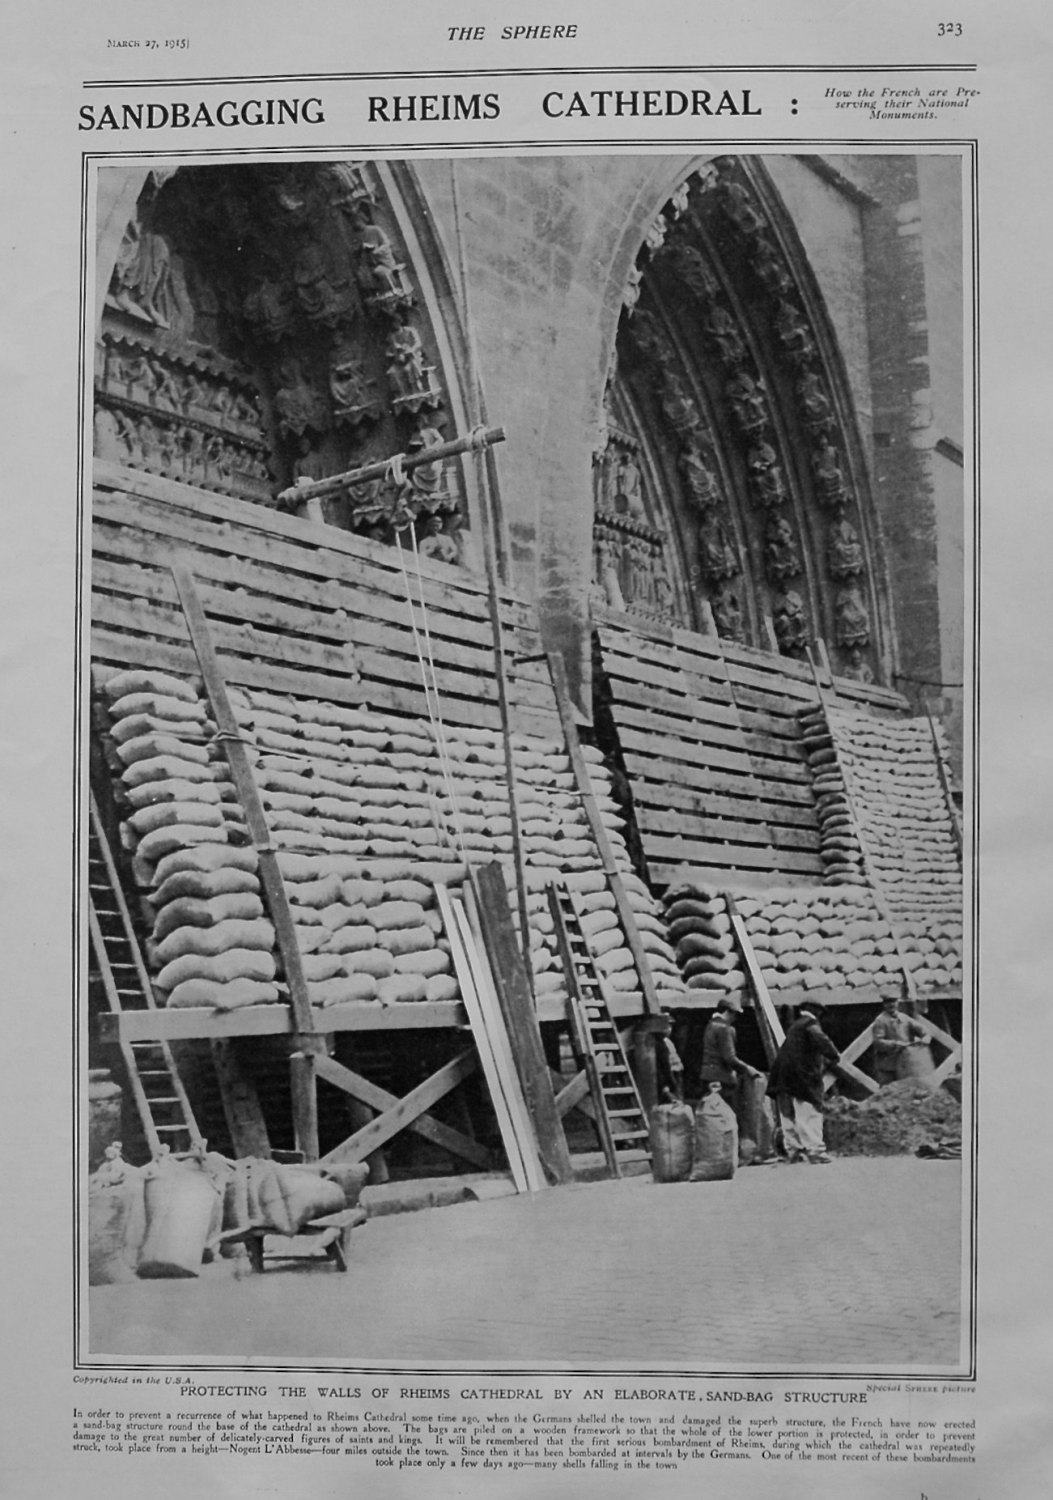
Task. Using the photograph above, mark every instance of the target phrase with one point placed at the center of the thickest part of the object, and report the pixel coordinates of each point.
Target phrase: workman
(720, 1060)
(796, 1084)
(894, 1032)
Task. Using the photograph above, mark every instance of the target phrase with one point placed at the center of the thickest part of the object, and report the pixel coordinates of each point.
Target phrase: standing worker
(720, 1059)
(796, 1084)
(894, 1034)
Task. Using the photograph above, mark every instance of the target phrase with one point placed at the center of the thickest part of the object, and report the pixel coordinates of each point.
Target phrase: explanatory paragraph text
(520, 1438)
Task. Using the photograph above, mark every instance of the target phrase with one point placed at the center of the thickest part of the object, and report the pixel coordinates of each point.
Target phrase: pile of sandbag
(810, 938)
(369, 813)
(884, 821)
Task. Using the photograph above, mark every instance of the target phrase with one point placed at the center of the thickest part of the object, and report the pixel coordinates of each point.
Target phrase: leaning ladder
(620, 1119)
(157, 1089)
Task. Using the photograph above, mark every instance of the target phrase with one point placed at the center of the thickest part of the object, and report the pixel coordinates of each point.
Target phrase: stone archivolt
(263, 325)
(729, 380)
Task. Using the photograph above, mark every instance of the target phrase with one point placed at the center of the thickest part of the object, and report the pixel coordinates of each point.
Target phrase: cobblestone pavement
(821, 1268)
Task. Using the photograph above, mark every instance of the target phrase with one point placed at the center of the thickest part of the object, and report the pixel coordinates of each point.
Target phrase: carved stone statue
(628, 491)
(818, 414)
(844, 552)
(608, 560)
(142, 277)
(727, 616)
(793, 332)
(852, 623)
(655, 237)
(782, 559)
(701, 485)
(788, 618)
(320, 291)
(428, 479)
(405, 354)
(856, 666)
(269, 306)
(639, 590)
(633, 288)
(768, 487)
(748, 402)
(378, 269)
(663, 589)
(353, 395)
(771, 268)
(829, 477)
(740, 209)
(679, 407)
(725, 331)
(299, 405)
(717, 559)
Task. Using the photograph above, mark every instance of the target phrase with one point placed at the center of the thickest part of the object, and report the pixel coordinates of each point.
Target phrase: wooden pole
(306, 1039)
(494, 920)
(316, 489)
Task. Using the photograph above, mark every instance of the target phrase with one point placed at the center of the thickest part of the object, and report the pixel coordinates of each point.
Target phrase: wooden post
(304, 1104)
(306, 1039)
(517, 1007)
(473, 442)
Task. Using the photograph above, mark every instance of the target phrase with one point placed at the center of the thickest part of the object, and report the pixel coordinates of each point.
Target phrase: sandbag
(207, 859)
(441, 987)
(115, 1219)
(427, 961)
(671, 1132)
(376, 961)
(192, 912)
(137, 680)
(150, 746)
(204, 885)
(716, 1139)
(402, 988)
(159, 706)
(401, 940)
(231, 995)
(183, 1204)
(339, 991)
(238, 963)
(392, 914)
(210, 941)
(172, 815)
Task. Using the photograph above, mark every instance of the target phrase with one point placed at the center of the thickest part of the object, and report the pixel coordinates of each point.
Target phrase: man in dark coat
(720, 1060)
(796, 1084)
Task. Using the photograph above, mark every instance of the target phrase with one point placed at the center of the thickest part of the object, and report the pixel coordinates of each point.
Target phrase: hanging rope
(433, 703)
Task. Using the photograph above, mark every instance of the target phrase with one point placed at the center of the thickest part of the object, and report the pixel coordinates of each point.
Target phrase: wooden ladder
(620, 1118)
(157, 1089)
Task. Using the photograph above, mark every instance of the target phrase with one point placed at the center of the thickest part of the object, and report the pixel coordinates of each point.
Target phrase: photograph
(526, 749)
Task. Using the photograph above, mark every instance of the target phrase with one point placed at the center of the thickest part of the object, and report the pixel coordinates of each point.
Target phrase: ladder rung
(171, 1129)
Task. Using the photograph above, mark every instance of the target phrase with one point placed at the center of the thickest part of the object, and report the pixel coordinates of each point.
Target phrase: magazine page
(524, 639)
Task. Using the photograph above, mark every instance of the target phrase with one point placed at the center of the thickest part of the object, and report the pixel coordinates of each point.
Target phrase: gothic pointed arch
(730, 490)
(265, 324)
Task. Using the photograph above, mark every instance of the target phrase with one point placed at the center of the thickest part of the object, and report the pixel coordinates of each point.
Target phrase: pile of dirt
(893, 1122)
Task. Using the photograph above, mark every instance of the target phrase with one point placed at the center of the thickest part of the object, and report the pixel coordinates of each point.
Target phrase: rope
(431, 690)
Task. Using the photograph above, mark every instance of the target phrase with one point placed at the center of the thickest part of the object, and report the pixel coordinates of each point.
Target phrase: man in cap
(720, 1060)
(894, 1032)
(796, 1084)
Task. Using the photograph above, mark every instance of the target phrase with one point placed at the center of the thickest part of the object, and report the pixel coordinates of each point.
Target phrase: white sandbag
(237, 963)
(210, 941)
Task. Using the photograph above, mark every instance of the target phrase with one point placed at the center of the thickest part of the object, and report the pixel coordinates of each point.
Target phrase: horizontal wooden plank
(648, 772)
(381, 661)
(113, 544)
(699, 731)
(173, 496)
(185, 1023)
(477, 713)
(666, 797)
(663, 873)
(731, 830)
(676, 751)
(125, 589)
(321, 552)
(682, 850)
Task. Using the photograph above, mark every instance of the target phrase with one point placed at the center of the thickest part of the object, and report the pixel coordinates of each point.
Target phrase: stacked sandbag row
(884, 819)
(368, 813)
(839, 848)
(804, 938)
(211, 942)
(557, 844)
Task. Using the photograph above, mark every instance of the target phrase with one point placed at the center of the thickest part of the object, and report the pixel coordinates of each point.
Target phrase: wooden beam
(306, 1037)
(626, 915)
(408, 1113)
(769, 1025)
(304, 1102)
(514, 995)
(241, 1103)
(573, 1095)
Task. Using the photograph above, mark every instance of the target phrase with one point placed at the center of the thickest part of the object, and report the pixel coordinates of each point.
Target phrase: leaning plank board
(497, 1081)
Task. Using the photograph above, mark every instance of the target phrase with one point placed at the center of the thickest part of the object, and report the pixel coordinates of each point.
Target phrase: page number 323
(949, 28)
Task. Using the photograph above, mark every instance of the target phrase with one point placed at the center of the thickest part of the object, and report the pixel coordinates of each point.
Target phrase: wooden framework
(711, 743)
